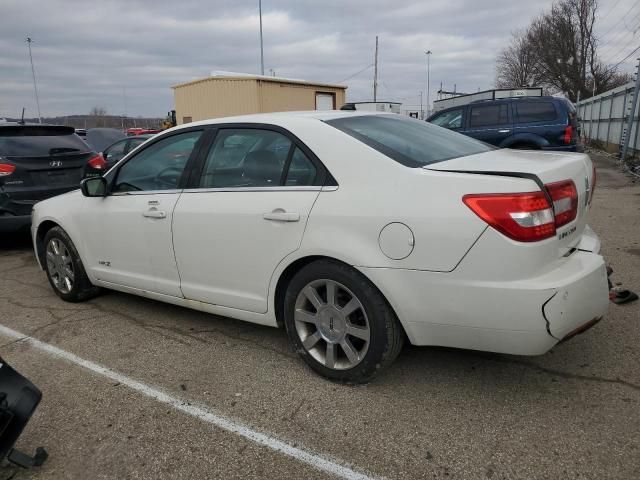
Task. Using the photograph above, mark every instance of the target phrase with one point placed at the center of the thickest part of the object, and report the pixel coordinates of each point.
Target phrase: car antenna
(22, 119)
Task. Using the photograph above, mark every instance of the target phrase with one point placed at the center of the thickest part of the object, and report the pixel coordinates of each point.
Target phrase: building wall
(213, 98)
(216, 97)
(287, 97)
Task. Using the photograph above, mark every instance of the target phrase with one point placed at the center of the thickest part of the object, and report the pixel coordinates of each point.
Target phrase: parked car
(37, 162)
(534, 123)
(353, 230)
(117, 151)
(100, 138)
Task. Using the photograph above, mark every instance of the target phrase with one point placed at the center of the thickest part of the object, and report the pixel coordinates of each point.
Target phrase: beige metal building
(223, 96)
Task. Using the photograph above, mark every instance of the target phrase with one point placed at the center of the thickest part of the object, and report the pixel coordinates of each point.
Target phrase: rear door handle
(504, 131)
(279, 215)
(153, 213)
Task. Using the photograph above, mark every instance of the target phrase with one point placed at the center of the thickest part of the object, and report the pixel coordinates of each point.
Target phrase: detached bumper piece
(18, 400)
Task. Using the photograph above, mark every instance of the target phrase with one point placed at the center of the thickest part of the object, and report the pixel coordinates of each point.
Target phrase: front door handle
(154, 213)
(279, 215)
(504, 131)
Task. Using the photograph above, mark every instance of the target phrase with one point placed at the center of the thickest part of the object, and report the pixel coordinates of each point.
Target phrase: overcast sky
(87, 53)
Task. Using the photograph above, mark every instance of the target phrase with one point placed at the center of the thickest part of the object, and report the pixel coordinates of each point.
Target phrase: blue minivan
(541, 123)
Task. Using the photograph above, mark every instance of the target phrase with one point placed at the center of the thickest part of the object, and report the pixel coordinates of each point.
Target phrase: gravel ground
(436, 413)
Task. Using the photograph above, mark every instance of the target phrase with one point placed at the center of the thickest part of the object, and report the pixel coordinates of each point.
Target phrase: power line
(622, 33)
(357, 73)
(621, 18)
(611, 10)
(621, 61)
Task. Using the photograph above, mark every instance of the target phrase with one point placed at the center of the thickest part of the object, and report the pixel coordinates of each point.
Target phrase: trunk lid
(543, 168)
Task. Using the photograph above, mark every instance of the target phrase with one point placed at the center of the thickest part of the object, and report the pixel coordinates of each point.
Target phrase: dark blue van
(541, 123)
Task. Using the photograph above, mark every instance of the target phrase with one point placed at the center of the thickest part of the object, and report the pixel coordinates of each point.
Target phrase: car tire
(64, 268)
(340, 323)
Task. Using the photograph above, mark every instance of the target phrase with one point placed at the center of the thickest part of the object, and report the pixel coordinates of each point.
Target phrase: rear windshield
(413, 143)
(39, 142)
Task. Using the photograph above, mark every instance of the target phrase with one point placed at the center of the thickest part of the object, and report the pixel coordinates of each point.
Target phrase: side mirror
(94, 187)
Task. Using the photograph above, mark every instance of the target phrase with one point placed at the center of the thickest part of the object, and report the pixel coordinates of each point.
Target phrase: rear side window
(488, 115)
(39, 142)
(412, 143)
(535, 112)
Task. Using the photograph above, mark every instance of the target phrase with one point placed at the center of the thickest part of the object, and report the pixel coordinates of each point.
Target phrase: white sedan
(354, 231)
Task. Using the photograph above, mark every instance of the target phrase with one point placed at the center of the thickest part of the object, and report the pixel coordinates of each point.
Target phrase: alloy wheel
(60, 265)
(332, 324)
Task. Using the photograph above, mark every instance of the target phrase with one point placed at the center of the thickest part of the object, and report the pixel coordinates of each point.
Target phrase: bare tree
(98, 115)
(515, 66)
(558, 51)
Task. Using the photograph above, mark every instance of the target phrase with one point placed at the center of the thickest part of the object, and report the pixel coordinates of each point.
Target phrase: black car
(37, 162)
(541, 123)
(116, 151)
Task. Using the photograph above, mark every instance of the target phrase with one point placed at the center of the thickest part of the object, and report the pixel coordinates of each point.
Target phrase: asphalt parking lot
(436, 413)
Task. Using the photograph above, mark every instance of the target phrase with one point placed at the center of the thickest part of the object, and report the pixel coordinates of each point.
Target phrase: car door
(244, 212)
(489, 123)
(128, 232)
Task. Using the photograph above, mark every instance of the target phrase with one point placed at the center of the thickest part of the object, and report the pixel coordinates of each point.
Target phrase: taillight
(98, 162)
(565, 201)
(6, 169)
(568, 134)
(525, 217)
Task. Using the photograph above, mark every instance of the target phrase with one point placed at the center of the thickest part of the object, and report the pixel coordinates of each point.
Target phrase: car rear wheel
(339, 323)
(64, 268)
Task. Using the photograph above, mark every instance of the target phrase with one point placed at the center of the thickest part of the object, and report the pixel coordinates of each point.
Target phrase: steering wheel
(169, 176)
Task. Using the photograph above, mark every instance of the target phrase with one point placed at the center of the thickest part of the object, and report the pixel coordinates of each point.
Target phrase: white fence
(603, 118)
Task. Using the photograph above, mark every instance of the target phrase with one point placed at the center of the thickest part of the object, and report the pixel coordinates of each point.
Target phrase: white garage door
(324, 101)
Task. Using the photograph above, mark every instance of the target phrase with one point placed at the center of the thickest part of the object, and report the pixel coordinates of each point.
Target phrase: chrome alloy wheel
(332, 324)
(60, 265)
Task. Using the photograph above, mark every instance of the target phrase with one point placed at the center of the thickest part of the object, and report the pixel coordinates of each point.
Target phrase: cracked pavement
(436, 413)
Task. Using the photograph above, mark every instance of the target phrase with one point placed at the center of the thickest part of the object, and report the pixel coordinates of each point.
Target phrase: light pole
(428, 53)
(261, 47)
(33, 72)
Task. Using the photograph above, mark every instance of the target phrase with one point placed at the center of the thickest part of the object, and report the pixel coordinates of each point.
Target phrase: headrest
(262, 167)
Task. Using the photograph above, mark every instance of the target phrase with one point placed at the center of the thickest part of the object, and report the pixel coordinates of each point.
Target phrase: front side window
(535, 112)
(246, 158)
(413, 143)
(159, 166)
(115, 152)
(488, 115)
(450, 119)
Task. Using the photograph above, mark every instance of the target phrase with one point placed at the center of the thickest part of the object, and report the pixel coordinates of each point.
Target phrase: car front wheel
(64, 268)
(339, 323)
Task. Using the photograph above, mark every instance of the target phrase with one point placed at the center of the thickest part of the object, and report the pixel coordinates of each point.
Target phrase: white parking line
(333, 466)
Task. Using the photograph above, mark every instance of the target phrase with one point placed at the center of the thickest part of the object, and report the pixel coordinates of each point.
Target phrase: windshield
(412, 143)
(40, 142)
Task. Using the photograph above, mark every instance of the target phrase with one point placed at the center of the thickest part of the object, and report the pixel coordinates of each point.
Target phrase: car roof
(282, 117)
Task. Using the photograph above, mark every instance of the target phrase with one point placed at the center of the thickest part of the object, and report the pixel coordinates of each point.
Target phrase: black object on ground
(18, 400)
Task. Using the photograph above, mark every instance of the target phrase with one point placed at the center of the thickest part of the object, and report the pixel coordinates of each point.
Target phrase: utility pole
(33, 73)
(375, 73)
(428, 53)
(421, 110)
(261, 46)
(632, 110)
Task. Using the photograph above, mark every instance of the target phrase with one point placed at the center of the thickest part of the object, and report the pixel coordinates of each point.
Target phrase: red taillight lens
(565, 201)
(6, 169)
(98, 162)
(568, 134)
(525, 217)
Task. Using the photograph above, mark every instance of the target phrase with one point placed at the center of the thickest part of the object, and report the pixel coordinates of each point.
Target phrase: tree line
(559, 52)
